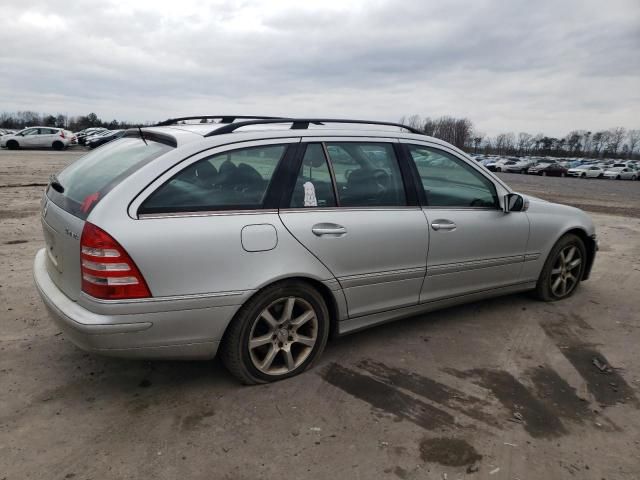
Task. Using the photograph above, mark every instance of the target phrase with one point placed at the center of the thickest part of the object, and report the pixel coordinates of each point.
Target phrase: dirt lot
(501, 389)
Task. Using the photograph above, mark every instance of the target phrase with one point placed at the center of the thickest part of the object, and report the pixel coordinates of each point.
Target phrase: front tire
(12, 145)
(563, 269)
(277, 334)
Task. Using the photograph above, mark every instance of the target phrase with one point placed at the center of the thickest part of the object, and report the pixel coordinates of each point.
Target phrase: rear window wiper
(55, 184)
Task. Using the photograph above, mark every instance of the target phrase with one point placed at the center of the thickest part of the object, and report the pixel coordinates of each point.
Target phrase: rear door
(473, 246)
(352, 209)
(47, 136)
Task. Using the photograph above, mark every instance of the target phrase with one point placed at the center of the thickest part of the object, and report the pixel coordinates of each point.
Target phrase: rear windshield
(80, 186)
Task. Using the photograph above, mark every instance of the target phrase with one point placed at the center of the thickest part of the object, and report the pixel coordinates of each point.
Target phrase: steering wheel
(382, 177)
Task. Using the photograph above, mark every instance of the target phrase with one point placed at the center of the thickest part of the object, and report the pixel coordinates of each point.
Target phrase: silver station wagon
(259, 238)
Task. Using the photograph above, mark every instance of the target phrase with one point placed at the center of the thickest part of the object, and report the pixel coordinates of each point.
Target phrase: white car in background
(497, 165)
(38, 137)
(517, 166)
(621, 173)
(586, 171)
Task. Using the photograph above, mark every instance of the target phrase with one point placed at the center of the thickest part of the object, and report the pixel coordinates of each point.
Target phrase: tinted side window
(366, 174)
(314, 187)
(450, 182)
(232, 180)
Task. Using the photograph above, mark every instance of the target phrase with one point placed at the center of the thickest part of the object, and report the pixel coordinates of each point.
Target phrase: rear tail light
(62, 133)
(107, 270)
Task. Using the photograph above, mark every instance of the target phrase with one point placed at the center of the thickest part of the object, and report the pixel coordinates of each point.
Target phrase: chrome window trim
(475, 209)
(207, 213)
(346, 209)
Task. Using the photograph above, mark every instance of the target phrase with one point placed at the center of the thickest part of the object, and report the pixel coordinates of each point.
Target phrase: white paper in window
(310, 195)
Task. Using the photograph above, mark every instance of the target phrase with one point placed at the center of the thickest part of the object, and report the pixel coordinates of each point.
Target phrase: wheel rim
(283, 336)
(566, 271)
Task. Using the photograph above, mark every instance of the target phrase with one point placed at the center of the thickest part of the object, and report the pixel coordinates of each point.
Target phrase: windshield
(80, 186)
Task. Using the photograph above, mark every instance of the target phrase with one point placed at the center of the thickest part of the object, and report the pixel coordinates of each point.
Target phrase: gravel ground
(500, 389)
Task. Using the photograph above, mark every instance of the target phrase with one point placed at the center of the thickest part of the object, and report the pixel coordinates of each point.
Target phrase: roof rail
(303, 123)
(223, 119)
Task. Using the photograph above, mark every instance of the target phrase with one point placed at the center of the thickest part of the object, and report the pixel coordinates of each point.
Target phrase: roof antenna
(142, 136)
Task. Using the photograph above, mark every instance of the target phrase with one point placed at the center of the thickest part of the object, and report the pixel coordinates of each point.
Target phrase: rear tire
(264, 343)
(12, 145)
(57, 145)
(563, 269)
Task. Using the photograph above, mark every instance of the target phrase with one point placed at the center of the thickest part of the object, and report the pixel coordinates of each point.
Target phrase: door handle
(321, 229)
(443, 225)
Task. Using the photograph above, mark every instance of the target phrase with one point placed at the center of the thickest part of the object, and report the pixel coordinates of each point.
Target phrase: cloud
(544, 66)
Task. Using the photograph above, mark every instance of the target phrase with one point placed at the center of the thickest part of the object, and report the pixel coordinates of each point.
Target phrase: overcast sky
(514, 65)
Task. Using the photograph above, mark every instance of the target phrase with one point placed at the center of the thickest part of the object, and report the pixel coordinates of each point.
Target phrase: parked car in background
(586, 171)
(496, 165)
(88, 132)
(551, 169)
(620, 173)
(108, 136)
(183, 241)
(37, 137)
(518, 166)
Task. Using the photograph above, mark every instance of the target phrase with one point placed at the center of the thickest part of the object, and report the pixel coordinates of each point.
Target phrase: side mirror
(514, 202)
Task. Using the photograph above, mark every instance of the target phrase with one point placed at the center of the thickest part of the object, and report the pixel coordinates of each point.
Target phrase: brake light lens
(107, 270)
(62, 133)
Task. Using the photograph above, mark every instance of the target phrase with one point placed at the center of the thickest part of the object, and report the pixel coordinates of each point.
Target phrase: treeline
(615, 142)
(19, 120)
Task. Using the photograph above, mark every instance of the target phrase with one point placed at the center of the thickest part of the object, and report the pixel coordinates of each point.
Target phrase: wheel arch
(590, 245)
(334, 299)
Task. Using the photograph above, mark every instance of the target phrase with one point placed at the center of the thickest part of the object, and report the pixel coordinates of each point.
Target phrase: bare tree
(616, 135)
(524, 142)
(633, 139)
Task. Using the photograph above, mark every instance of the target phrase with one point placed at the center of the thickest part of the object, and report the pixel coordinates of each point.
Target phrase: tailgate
(62, 233)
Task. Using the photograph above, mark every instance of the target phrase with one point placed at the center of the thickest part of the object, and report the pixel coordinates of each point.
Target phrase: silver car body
(586, 171)
(622, 173)
(392, 262)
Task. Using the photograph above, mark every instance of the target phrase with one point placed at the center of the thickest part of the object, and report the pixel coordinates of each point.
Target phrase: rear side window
(235, 180)
(314, 187)
(449, 182)
(366, 174)
(85, 182)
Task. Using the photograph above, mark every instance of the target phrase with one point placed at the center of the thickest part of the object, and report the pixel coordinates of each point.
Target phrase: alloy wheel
(566, 271)
(283, 336)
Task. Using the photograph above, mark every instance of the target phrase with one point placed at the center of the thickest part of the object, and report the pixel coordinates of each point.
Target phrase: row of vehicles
(546, 166)
(56, 138)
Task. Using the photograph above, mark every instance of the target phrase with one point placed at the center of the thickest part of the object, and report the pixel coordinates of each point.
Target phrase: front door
(353, 214)
(474, 246)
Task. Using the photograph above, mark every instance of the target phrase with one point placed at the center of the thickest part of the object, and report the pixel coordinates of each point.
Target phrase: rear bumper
(179, 334)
